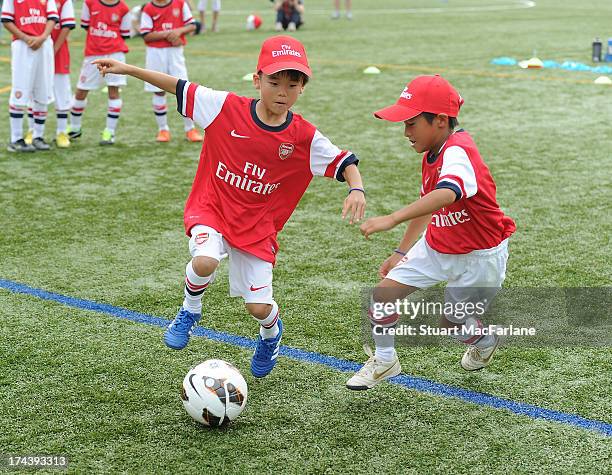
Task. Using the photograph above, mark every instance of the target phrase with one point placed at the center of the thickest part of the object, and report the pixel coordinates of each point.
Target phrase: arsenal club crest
(115, 18)
(176, 12)
(285, 150)
(201, 238)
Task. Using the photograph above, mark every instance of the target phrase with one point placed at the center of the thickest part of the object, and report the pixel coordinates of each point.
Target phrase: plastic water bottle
(609, 52)
(597, 48)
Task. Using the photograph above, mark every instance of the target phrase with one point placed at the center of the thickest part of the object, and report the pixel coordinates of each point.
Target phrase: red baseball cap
(279, 53)
(432, 94)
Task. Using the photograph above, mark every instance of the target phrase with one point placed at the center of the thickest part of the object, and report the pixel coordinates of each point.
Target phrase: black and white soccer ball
(214, 393)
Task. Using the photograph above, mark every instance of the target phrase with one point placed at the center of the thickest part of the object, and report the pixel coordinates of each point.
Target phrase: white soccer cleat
(373, 372)
(477, 358)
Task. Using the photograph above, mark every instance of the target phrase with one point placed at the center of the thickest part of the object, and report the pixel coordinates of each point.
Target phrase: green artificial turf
(105, 224)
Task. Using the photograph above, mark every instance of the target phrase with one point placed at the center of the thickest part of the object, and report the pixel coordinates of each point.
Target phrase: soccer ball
(253, 22)
(214, 393)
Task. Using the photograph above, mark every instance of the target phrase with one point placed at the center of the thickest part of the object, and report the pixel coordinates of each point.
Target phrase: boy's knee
(80, 94)
(259, 310)
(204, 265)
(113, 92)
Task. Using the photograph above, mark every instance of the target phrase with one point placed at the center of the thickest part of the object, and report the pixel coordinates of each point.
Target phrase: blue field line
(418, 384)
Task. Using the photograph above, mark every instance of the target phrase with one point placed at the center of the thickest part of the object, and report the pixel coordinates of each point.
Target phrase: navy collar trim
(432, 157)
(269, 128)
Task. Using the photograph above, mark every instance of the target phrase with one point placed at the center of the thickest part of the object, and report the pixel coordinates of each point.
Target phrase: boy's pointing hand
(108, 65)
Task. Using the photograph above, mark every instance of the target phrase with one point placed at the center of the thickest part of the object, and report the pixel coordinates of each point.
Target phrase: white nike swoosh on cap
(234, 134)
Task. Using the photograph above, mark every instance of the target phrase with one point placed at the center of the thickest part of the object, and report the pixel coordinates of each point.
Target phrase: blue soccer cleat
(266, 353)
(178, 332)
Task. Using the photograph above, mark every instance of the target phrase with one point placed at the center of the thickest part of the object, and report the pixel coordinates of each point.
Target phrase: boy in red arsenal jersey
(107, 24)
(31, 23)
(466, 233)
(257, 160)
(61, 79)
(163, 25)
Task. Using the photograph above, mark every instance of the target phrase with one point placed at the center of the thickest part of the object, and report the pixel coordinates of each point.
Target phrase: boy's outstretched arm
(161, 80)
(355, 202)
(429, 203)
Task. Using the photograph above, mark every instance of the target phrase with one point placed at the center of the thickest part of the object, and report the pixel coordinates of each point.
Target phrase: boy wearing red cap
(466, 233)
(257, 160)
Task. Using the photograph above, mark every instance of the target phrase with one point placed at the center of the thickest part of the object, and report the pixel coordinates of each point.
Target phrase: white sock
(62, 121)
(112, 116)
(76, 113)
(385, 353)
(268, 327)
(195, 286)
(160, 108)
(16, 120)
(40, 117)
(381, 321)
(188, 124)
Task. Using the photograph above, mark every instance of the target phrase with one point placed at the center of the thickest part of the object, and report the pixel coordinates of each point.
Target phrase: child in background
(31, 23)
(107, 25)
(163, 25)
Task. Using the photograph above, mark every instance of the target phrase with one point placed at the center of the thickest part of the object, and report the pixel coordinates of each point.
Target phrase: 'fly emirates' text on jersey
(30, 16)
(107, 25)
(251, 176)
(175, 14)
(474, 221)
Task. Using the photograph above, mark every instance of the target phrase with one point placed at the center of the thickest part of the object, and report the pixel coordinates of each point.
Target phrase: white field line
(517, 5)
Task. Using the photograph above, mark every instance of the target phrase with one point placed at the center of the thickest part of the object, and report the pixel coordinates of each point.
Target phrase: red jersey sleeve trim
(330, 171)
(190, 100)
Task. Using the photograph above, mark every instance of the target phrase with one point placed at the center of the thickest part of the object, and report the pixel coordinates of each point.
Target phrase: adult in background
(347, 7)
(288, 14)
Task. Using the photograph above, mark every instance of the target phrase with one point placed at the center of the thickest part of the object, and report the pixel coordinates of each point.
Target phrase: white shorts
(62, 91)
(203, 5)
(32, 73)
(90, 78)
(250, 277)
(473, 277)
(165, 60)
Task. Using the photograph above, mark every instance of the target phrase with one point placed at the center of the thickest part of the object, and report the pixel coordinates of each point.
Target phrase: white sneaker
(477, 358)
(291, 27)
(278, 26)
(373, 372)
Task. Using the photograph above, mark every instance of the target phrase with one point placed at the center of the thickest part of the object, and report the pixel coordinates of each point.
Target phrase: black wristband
(357, 189)
(399, 252)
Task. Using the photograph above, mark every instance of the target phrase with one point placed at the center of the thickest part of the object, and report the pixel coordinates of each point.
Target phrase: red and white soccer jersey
(30, 16)
(171, 16)
(251, 176)
(107, 25)
(66, 20)
(474, 221)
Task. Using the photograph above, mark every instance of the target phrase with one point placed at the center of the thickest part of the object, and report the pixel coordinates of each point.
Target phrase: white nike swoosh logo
(94, 13)
(234, 134)
(156, 17)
